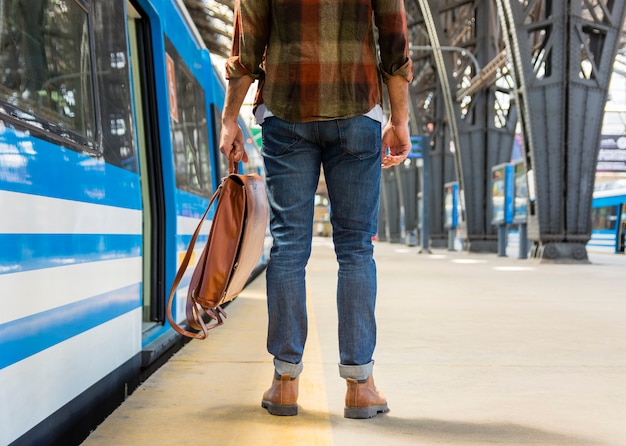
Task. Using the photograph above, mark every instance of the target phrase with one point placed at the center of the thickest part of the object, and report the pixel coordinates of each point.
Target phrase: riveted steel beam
(562, 53)
(481, 127)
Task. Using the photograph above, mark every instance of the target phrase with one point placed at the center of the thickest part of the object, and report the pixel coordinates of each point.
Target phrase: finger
(236, 154)
(392, 160)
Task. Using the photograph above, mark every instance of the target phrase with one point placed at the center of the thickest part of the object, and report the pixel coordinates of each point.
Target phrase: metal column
(562, 53)
(481, 128)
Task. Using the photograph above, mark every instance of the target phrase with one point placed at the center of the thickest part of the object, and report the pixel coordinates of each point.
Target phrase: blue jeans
(350, 152)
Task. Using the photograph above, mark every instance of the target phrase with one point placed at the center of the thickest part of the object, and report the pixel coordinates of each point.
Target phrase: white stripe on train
(31, 292)
(35, 214)
(60, 373)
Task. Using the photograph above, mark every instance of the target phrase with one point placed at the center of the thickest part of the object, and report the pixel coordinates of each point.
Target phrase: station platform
(473, 349)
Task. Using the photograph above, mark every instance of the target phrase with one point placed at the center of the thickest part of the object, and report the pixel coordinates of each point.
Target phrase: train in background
(608, 220)
(109, 123)
(608, 217)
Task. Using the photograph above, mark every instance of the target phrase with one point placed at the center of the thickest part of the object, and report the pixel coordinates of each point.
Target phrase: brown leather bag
(232, 251)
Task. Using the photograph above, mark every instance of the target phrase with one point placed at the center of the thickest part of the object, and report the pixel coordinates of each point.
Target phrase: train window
(190, 139)
(603, 218)
(115, 92)
(45, 55)
(221, 161)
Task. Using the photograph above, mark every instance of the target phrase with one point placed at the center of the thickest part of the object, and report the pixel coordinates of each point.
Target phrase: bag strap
(181, 272)
(192, 307)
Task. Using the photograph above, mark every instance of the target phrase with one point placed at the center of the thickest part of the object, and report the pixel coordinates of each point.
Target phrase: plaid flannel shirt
(316, 59)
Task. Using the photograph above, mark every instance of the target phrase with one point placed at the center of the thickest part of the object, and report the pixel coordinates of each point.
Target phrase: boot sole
(359, 413)
(284, 410)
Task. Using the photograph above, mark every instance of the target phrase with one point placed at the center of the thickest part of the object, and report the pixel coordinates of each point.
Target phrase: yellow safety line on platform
(313, 400)
(210, 391)
(311, 427)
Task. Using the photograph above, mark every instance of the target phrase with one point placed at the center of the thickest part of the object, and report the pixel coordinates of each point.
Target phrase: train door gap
(150, 166)
(620, 244)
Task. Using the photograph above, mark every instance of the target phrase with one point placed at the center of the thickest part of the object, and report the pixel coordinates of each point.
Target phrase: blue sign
(451, 205)
(502, 190)
(520, 206)
(419, 145)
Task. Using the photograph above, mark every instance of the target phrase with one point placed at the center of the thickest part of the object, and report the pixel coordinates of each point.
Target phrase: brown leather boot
(281, 398)
(363, 400)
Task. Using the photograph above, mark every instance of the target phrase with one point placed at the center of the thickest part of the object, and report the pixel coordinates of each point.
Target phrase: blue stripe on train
(34, 166)
(24, 252)
(184, 240)
(25, 337)
(191, 205)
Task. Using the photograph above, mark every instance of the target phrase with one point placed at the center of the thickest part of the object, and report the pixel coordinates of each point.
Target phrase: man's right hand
(231, 142)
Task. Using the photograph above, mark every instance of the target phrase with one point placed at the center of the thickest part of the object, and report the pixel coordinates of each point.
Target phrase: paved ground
(472, 350)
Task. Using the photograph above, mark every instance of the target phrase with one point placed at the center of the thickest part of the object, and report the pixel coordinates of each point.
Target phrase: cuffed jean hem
(358, 372)
(287, 368)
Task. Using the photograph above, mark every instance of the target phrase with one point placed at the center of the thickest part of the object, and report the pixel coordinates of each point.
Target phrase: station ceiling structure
(485, 69)
(214, 20)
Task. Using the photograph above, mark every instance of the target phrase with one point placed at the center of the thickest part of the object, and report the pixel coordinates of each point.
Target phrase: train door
(150, 167)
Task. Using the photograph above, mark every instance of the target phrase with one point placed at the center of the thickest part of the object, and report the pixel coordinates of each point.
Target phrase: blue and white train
(608, 218)
(109, 122)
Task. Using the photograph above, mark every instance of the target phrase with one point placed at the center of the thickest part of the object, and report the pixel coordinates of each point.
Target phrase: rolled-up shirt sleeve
(251, 30)
(390, 19)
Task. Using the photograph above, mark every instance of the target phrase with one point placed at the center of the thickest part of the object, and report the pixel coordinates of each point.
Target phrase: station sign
(612, 154)
(502, 190)
(520, 192)
(419, 146)
(451, 205)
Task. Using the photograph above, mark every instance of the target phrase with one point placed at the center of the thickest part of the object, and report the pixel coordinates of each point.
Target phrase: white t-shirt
(262, 113)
